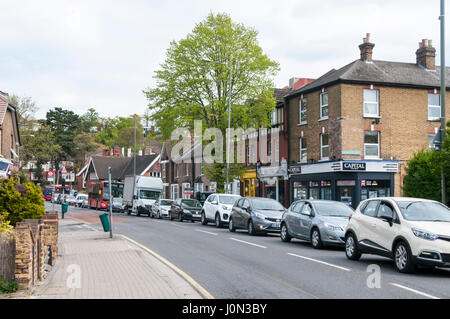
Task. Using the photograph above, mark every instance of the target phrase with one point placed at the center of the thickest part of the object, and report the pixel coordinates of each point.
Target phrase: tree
(42, 147)
(189, 88)
(86, 144)
(89, 120)
(26, 109)
(423, 178)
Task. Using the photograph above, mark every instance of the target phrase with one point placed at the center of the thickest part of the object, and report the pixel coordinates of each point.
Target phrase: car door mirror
(214, 202)
(388, 219)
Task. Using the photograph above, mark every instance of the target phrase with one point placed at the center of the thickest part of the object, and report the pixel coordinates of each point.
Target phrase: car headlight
(261, 216)
(424, 234)
(333, 227)
(186, 211)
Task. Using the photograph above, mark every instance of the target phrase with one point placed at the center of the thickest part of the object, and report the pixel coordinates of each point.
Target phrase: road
(236, 265)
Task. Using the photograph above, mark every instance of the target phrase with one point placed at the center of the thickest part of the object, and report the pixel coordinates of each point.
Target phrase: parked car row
(411, 231)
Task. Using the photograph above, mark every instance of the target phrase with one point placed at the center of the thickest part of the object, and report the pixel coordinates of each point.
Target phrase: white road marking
(248, 243)
(174, 224)
(320, 262)
(206, 232)
(414, 291)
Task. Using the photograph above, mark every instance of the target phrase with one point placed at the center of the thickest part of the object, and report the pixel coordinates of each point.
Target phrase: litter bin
(64, 208)
(105, 221)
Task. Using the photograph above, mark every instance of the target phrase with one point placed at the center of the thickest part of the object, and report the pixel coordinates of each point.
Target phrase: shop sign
(295, 170)
(346, 183)
(353, 166)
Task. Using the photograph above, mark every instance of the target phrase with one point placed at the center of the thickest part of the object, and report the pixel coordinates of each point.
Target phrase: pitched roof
(101, 164)
(379, 72)
(279, 94)
(142, 162)
(3, 106)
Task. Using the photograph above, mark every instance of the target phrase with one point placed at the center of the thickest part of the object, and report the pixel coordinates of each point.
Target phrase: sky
(103, 54)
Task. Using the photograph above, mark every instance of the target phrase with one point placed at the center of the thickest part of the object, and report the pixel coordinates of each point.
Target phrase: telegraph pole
(443, 88)
(110, 202)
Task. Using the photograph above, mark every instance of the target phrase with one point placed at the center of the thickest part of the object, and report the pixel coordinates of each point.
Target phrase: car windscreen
(145, 194)
(224, 199)
(424, 211)
(335, 209)
(266, 204)
(190, 203)
(166, 202)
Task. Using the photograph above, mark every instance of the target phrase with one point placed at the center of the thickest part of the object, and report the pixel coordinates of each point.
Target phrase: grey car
(257, 215)
(322, 222)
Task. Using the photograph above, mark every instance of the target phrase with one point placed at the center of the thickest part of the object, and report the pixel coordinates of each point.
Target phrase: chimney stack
(425, 55)
(366, 49)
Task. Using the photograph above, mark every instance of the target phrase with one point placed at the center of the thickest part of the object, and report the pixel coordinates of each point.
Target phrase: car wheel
(284, 234)
(403, 258)
(203, 219)
(251, 229)
(231, 226)
(158, 215)
(315, 239)
(129, 212)
(219, 223)
(351, 250)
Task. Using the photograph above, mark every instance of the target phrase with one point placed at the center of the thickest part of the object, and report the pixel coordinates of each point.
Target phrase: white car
(412, 231)
(81, 200)
(161, 208)
(217, 208)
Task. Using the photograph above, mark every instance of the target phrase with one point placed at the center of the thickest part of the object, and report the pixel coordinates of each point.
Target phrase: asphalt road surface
(236, 265)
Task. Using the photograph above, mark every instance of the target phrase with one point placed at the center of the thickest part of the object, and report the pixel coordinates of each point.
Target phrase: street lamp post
(229, 122)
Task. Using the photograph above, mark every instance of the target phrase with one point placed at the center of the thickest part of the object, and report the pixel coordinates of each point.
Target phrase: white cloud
(102, 53)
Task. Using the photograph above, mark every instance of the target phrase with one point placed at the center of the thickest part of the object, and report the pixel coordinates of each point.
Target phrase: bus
(98, 194)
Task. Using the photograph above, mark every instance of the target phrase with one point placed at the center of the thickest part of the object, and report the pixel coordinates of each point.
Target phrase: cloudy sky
(102, 54)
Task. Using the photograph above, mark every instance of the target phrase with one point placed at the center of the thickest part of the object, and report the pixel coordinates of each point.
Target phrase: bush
(4, 222)
(20, 201)
(7, 287)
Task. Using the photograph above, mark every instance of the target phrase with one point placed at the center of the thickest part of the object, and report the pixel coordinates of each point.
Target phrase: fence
(7, 255)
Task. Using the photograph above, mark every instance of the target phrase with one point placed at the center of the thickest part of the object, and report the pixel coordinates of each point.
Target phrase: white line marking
(246, 242)
(414, 291)
(320, 262)
(173, 224)
(206, 232)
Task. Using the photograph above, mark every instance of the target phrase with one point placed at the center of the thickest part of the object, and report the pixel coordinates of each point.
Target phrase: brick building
(352, 130)
(9, 131)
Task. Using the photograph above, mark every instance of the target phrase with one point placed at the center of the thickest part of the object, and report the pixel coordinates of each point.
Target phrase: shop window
(303, 150)
(300, 190)
(324, 106)
(346, 195)
(313, 190)
(371, 145)
(324, 147)
(371, 106)
(434, 107)
(373, 189)
(325, 190)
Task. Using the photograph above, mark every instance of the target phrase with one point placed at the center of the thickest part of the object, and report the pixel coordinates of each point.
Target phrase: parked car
(321, 222)
(189, 209)
(202, 196)
(117, 205)
(81, 200)
(217, 208)
(55, 197)
(161, 208)
(257, 215)
(70, 199)
(412, 231)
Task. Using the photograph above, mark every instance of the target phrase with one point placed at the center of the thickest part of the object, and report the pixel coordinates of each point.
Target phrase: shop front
(273, 181)
(250, 185)
(345, 181)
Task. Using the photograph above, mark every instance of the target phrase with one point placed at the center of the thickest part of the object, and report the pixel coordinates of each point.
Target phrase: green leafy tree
(20, 201)
(190, 88)
(423, 178)
(26, 109)
(86, 144)
(89, 120)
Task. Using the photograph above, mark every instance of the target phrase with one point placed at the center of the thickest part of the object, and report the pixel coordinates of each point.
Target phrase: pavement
(92, 265)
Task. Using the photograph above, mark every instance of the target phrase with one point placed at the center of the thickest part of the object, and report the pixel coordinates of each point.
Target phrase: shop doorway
(345, 194)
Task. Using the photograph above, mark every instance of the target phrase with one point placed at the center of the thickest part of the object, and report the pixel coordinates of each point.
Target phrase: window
(371, 105)
(269, 148)
(198, 187)
(298, 207)
(431, 137)
(213, 187)
(274, 117)
(184, 187)
(371, 145)
(176, 170)
(386, 210)
(164, 170)
(303, 153)
(434, 107)
(371, 208)
(324, 147)
(302, 111)
(324, 106)
(186, 168)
